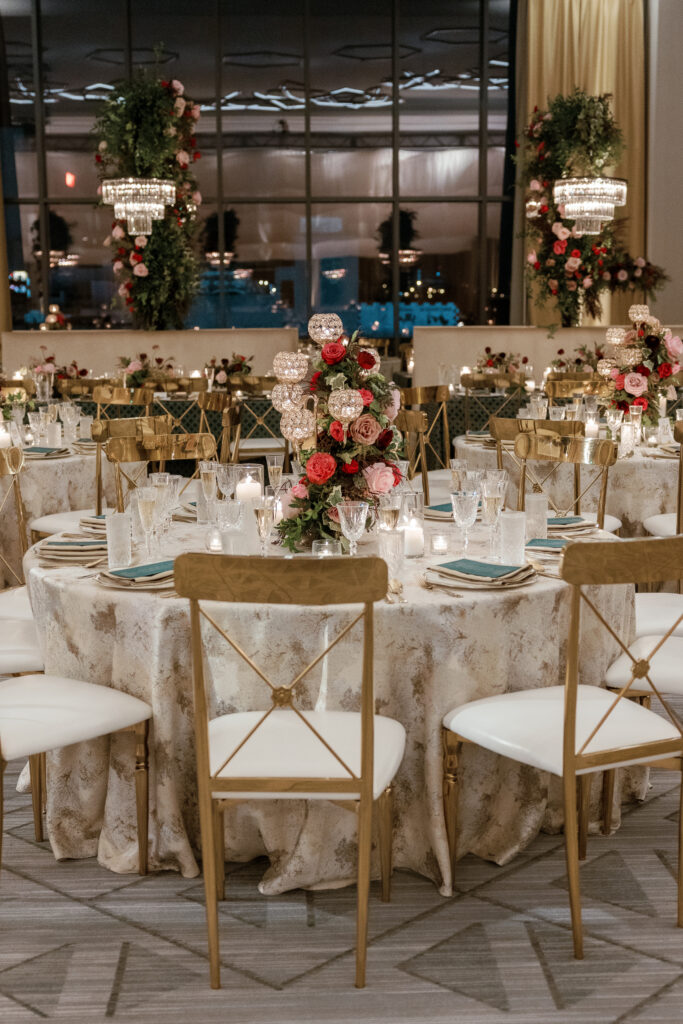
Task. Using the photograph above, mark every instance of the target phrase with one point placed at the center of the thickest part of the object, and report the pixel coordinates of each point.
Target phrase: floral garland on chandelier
(576, 135)
(641, 364)
(147, 130)
(355, 448)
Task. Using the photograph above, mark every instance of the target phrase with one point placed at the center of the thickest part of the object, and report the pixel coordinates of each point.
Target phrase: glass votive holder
(54, 434)
(664, 431)
(557, 412)
(651, 436)
(438, 544)
(512, 538)
(536, 508)
(626, 440)
(85, 428)
(414, 535)
(119, 543)
(213, 540)
(326, 549)
(592, 421)
(679, 415)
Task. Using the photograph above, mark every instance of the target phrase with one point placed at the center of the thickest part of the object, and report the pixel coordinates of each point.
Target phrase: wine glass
(229, 520)
(614, 418)
(275, 464)
(34, 424)
(388, 511)
(225, 478)
(352, 517)
(465, 505)
(493, 488)
(391, 550)
(264, 510)
(147, 499)
(458, 468)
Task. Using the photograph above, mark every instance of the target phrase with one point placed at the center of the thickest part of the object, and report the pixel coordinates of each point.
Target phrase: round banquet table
(433, 652)
(47, 486)
(640, 486)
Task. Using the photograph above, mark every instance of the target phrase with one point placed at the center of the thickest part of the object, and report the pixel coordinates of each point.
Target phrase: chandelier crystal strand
(589, 202)
(324, 327)
(139, 201)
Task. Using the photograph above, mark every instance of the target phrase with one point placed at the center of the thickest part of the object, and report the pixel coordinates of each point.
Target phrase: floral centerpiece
(15, 400)
(644, 360)
(355, 461)
(147, 130)
(584, 359)
(142, 368)
(222, 369)
(503, 362)
(576, 136)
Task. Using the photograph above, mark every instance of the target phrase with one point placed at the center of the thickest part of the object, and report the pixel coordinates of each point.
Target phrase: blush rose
(365, 429)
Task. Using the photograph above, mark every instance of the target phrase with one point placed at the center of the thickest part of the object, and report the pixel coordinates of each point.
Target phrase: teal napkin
(74, 543)
(41, 451)
(446, 507)
(136, 571)
(469, 567)
(551, 542)
(565, 520)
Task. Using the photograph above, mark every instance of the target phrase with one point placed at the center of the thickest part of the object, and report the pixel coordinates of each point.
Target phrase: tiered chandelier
(139, 201)
(589, 202)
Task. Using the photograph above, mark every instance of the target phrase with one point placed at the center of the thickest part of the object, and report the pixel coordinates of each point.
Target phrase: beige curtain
(5, 310)
(599, 46)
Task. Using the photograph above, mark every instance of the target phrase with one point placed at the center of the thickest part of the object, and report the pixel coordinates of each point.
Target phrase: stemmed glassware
(35, 425)
(465, 505)
(352, 517)
(161, 484)
(147, 499)
(614, 419)
(493, 488)
(225, 478)
(264, 510)
(388, 511)
(208, 472)
(458, 469)
(275, 463)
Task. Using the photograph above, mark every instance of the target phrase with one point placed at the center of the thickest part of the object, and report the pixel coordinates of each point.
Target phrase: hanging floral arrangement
(147, 130)
(576, 136)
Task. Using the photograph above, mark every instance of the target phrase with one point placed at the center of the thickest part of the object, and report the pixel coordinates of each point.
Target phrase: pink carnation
(635, 384)
(674, 345)
(140, 270)
(299, 491)
(133, 366)
(379, 477)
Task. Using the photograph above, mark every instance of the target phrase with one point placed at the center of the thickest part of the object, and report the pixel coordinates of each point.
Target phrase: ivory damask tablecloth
(638, 487)
(432, 653)
(47, 486)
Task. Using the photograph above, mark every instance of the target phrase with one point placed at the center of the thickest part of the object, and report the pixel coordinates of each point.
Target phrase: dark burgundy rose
(384, 439)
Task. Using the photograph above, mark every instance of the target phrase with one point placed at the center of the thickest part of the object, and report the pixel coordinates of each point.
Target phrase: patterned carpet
(80, 944)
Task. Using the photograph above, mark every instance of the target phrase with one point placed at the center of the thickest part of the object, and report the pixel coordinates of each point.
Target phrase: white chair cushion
(60, 522)
(656, 614)
(662, 525)
(528, 726)
(612, 523)
(284, 747)
(19, 650)
(39, 713)
(666, 667)
(14, 604)
(259, 443)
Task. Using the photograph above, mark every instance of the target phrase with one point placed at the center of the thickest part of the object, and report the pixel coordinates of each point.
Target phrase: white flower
(178, 87)
(140, 241)
(102, 146)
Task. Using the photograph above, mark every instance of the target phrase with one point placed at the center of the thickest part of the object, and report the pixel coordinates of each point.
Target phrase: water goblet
(614, 419)
(465, 505)
(225, 479)
(352, 518)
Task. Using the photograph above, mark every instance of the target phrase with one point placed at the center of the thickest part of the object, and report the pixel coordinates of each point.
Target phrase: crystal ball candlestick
(615, 336)
(638, 314)
(605, 367)
(324, 327)
(286, 396)
(297, 424)
(345, 405)
(290, 367)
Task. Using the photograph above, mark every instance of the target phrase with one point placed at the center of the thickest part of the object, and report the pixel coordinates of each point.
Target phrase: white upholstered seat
(19, 650)
(60, 522)
(14, 604)
(284, 746)
(666, 666)
(662, 525)
(657, 613)
(612, 523)
(527, 726)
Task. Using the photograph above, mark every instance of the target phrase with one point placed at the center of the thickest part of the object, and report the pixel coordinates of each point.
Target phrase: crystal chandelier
(138, 201)
(589, 202)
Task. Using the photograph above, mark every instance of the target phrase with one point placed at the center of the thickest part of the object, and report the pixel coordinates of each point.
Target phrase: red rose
(489, 362)
(576, 253)
(98, 158)
(320, 467)
(384, 439)
(333, 353)
(193, 142)
(366, 395)
(164, 84)
(643, 402)
(314, 380)
(559, 246)
(664, 370)
(398, 475)
(196, 155)
(350, 467)
(122, 251)
(336, 430)
(82, 373)
(537, 265)
(544, 208)
(366, 360)
(525, 359)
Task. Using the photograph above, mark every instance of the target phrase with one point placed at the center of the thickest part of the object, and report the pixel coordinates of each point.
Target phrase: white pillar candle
(662, 405)
(5, 439)
(413, 539)
(248, 489)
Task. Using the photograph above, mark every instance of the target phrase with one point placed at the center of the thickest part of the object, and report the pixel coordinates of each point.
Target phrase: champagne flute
(493, 488)
(275, 463)
(352, 517)
(207, 475)
(264, 511)
(389, 511)
(147, 499)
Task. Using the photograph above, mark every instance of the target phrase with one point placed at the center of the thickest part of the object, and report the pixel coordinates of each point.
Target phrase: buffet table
(431, 653)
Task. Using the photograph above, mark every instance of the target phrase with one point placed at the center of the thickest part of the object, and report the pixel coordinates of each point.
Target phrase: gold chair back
(332, 581)
(438, 394)
(414, 426)
(678, 436)
(132, 426)
(511, 383)
(106, 395)
(158, 448)
(504, 430)
(230, 433)
(574, 385)
(574, 450)
(11, 465)
(253, 387)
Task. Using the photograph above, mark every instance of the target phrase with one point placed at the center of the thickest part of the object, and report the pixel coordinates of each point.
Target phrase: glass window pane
(261, 171)
(18, 138)
(351, 172)
(23, 279)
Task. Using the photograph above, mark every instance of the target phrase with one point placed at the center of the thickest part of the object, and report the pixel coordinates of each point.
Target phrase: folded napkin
(440, 512)
(483, 572)
(565, 521)
(143, 573)
(38, 450)
(50, 542)
(547, 544)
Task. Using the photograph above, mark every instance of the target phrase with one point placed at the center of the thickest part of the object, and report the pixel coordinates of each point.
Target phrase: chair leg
(679, 920)
(571, 852)
(36, 795)
(451, 752)
(385, 822)
(43, 779)
(219, 840)
(142, 792)
(363, 886)
(584, 810)
(209, 871)
(608, 780)
(3, 765)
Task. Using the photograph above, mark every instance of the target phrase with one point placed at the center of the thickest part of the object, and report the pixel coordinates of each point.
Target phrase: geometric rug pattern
(81, 945)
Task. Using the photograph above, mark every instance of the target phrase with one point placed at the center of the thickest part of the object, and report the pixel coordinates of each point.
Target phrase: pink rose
(572, 264)
(391, 410)
(183, 158)
(140, 270)
(365, 430)
(197, 198)
(367, 396)
(559, 247)
(674, 345)
(178, 87)
(571, 286)
(639, 261)
(532, 257)
(635, 384)
(123, 291)
(622, 275)
(379, 477)
(221, 377)
(675, 368)
(535, 185)
(561, 210)
(638, 272)
(118, 232)
(587, 282)
(117, 266)
(299, 491)
(179, 106)
(560, 230)
(196, 111)
(140, 241)
(134, 366)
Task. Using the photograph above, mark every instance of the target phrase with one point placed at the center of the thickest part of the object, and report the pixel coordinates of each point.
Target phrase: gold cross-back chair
(289, 752)
(504, 430)
(435, 394)
(107, 395)
(572, 384)
(510, 383)
(575, 730)
(414, 425)
(247, 444)
(556, 450)
(159, 449)
(11, 465)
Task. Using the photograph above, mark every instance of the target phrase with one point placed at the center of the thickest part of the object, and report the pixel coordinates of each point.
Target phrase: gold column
(598, 46)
